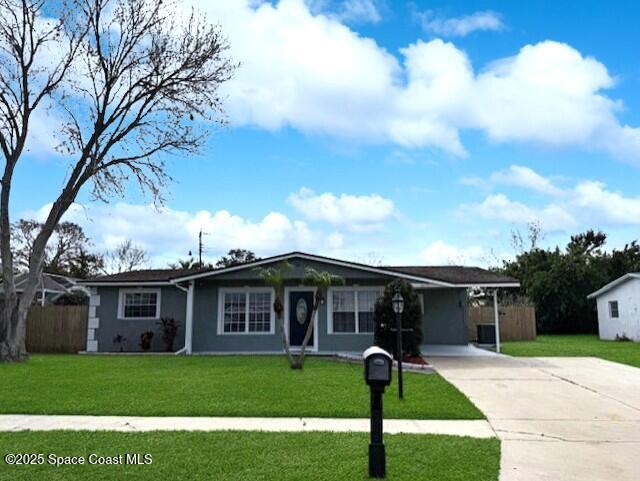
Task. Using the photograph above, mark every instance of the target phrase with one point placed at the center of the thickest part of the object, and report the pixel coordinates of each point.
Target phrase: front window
(246, 311)
(613, 309)
(140, 304)
(353, 310)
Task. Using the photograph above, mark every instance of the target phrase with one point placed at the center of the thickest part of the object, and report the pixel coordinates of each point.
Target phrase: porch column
(188, 328)
(496, 319)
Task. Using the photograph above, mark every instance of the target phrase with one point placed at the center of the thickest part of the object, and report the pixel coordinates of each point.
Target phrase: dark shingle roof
(145, 275)
(450, 274)
(456, 274)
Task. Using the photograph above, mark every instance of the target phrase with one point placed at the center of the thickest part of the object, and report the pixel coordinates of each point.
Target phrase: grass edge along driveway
(242, 456)
(576, 345)
(262, 386)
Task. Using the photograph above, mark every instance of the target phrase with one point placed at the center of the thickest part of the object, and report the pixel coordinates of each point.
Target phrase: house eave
(352, 265)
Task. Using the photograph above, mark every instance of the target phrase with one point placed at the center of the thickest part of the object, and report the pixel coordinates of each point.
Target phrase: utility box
(486, 334)
(377, 367)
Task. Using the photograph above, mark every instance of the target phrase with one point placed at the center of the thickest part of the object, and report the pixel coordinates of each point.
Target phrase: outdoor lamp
(398, 307)
(398, 302)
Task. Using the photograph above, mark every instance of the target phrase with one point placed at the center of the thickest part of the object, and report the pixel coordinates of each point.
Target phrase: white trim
(127, 283)
(121, 294)
(326, 260)
(612, 284)
(418, 285)
(246, 290)
(188, 328)
(355, 306)
(496, 319)
(287, 291)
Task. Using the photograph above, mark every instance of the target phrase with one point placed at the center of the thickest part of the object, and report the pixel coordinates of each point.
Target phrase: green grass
(252, 456)
(576, 345)
(215, 386)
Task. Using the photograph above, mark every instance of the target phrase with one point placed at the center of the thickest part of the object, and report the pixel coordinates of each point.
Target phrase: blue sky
(401, 132)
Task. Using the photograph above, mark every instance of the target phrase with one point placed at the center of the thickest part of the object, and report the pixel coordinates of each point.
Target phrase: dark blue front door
(300, 309)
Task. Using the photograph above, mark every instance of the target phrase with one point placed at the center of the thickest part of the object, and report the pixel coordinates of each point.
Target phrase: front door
(300, 310)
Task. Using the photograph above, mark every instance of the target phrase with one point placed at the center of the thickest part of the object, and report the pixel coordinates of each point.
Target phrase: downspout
(183, 349)
(188, 329)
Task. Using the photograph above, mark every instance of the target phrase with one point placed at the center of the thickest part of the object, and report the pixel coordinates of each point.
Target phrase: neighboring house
(230, 310)
(51, 287)
(618, 303)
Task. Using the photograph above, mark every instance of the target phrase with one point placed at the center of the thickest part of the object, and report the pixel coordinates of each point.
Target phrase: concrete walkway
(559, 419)
(23, 422)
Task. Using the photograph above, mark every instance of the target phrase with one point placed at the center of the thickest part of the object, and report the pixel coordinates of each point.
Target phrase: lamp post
(398, 307)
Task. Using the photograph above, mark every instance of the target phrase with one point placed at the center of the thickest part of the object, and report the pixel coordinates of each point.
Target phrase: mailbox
(377, 367)
(377, 374)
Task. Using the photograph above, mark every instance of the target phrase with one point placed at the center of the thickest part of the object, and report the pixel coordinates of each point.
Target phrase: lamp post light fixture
(398, 307)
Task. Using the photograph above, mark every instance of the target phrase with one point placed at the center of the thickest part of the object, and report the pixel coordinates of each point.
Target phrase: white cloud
(603, 206)
(441, 253)
(527, 178)
(358, 213)
(313, 73)
(168, 234)
(589, 203)
(460, 26)
(500, 207)
(359, 11)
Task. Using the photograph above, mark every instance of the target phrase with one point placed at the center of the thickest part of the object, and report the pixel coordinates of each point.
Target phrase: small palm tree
(321, 280)
(275, 277)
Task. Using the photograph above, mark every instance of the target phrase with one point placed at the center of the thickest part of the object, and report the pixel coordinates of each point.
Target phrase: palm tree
(275, 277)
(321, 280)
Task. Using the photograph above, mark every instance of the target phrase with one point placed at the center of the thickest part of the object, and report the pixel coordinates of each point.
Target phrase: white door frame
(287, 291)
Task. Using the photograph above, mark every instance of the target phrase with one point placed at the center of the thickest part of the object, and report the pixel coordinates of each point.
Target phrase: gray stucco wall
(172, 304)
(444, 318)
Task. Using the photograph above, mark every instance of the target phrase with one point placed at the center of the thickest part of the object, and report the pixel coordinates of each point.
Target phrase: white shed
(619, 308)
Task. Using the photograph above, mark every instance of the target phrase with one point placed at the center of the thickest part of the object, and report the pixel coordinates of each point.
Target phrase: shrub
(385, 319)
(169, 328)
(145, 340)
(121, 341)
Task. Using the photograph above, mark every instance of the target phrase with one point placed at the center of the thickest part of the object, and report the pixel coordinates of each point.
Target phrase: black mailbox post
(377, 374)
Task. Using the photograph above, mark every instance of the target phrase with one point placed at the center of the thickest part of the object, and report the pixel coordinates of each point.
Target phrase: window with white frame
(246, 311)
(352, 310)
(139, 304)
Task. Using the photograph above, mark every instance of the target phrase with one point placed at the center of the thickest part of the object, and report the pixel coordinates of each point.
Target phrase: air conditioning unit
(486, 334)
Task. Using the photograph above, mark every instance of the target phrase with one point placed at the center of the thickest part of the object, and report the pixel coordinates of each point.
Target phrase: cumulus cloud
(526, 178)
(311, 72)
(168, 234)
(441, 253)
(358, 213)
(588, 203)
(459, 26)
(499, 207)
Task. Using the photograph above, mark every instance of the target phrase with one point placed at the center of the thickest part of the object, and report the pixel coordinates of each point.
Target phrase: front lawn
(576, 345)
(215, 386)
(251, 456)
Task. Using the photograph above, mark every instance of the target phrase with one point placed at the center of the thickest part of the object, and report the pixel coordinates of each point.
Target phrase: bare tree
(133, 80)
(125, 257)
(66, 253)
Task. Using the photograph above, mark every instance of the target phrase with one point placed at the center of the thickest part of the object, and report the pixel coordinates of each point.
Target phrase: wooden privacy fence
(517, 323)
(57, 328)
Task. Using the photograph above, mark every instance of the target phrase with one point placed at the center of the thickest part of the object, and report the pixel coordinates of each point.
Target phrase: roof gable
(613, 284)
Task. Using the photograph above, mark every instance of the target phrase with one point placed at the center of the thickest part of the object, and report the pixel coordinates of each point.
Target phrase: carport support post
(496, 319)
(188, 328)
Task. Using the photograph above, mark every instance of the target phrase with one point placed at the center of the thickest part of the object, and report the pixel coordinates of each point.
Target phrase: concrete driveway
(559, 419)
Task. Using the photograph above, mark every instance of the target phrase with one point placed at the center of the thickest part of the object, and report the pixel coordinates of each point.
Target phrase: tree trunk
(299, 362)
(12, 342)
